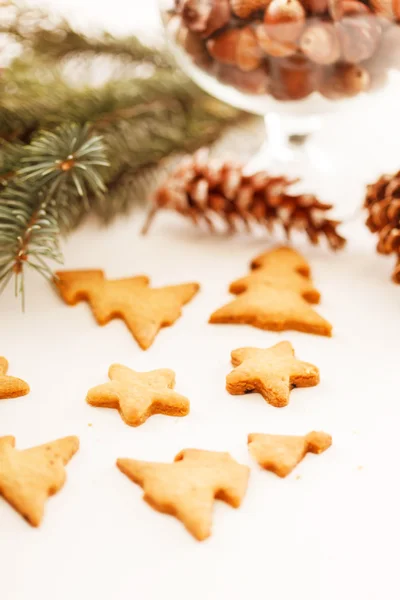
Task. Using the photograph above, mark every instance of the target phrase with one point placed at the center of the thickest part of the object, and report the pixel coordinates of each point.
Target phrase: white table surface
(330, 530)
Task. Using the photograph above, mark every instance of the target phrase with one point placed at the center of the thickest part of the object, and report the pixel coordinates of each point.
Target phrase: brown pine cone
(383, 205)
(201, 188)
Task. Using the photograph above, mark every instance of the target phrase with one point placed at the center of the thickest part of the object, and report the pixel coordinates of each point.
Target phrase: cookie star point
(11, 387)
(138, 396)
(272, 372)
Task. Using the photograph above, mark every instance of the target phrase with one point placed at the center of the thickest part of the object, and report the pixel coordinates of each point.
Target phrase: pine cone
(201, 188)
(383, 205)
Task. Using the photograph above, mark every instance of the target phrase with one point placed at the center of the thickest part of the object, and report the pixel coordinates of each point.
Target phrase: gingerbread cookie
(10, 387)
(281, 453)
(188, 487)
(29, 477)
(144, 310)
(137, 396)
(272, 372)
(281, 260)
(280, 281)
(274, 309)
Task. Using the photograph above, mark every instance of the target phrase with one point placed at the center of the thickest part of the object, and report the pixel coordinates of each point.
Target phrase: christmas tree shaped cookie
(272, 372)
(29, 477)
(145, 310)
(137, 396)
(282, 268)
(281, 453)
(276, 295)
(274, 309)
(188, 487)
(10, 387)
(280, 281)
(283, 259)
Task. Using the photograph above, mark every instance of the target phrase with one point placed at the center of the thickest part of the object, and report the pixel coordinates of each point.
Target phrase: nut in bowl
(257, 53)
(291, 61)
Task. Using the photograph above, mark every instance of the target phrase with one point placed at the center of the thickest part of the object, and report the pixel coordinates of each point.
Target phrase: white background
(330, 530)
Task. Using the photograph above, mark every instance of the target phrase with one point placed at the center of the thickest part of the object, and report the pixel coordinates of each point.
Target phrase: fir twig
(53, 181)
(145, 112)
(52, 38)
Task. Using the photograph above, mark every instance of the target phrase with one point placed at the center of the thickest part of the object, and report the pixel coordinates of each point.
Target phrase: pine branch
(142, 121)
(145, 111)
(55, 177)
(52, 38)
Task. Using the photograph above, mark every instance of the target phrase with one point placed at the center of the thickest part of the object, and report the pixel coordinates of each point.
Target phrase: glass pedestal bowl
(291, 61)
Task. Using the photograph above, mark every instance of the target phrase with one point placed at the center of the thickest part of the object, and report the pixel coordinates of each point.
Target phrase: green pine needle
(59, 170)
(69, 147)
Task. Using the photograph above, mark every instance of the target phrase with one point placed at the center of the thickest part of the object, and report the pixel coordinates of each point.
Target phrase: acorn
(237, 47)
(223, 46)
(244, 8)
(346, 80)
(320, 43)
(193, 45)
(206, 16)
(316, 7)
(359, 37)
(248, 54)
(387, 8)
(294, 78)
(272, 46)
(339, 8)
(251, 82)
(285, 19)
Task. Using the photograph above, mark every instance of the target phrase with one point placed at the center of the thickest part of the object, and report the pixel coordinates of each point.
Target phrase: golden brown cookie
(272, 372)
(137, 396)
(281, 453)
(144, 310)
(281, 260)
(29, 477)
(276, 310)
(285, 280)
(188, 487)
(10, 387)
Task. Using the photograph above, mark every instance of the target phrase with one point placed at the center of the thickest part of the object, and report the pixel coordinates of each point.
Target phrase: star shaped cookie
(188, 487)
(272, 372)
(281, 453)
(29, 477)
(274, 309)
(10, 387)
(145, 310)
(137, 396)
